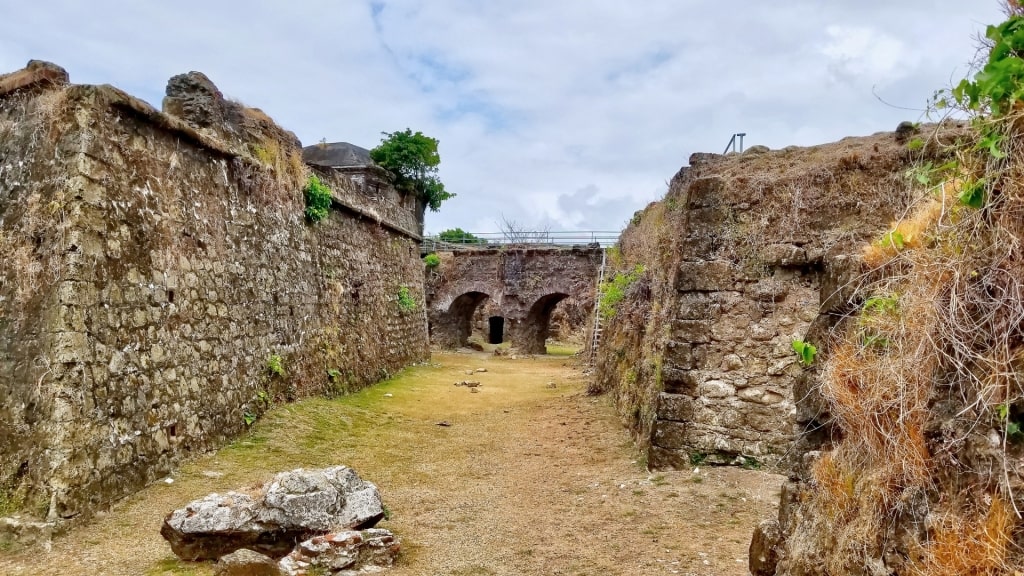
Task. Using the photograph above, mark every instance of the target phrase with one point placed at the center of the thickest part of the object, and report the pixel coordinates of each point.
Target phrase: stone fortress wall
(157, 264)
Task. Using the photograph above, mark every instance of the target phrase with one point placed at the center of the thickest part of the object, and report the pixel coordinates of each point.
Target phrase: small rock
(246, 563)
(168, 480)
(552, 385)
(481, 369)
(212, 474)
(389, 395)
(474, 390)
(764, 548)
(470, 372)
(354, 552)
(444, 423)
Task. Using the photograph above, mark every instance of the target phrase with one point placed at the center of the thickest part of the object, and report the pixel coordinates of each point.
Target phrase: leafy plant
(613, 291)
(881, 304)
(275, 365)
(412, 160)
(318, 199)
(697, 458)
(405, 299)
(1014, 428)
(972, 193)
(263, 397)
(1000, 84)
(749, 463)
(249, 418)
(333, 374)
(432, 260)
(805, 351)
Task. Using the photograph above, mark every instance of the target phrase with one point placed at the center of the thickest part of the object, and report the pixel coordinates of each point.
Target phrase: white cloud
(572, 113)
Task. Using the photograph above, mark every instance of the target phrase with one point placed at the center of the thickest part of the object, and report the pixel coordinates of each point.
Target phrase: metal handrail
(732, 143)
(483, 240)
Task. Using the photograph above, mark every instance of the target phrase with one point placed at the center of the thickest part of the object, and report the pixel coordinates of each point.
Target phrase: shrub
(412, 160)
(459, 236)
(432, 260)
(275, 365)
(614, 291)
(405, 300)
(318, 199)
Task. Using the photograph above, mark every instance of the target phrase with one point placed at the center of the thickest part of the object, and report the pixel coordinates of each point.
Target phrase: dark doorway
(496, 332)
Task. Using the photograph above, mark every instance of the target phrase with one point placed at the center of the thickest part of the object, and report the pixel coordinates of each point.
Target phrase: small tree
(412, 159)
(459, 236)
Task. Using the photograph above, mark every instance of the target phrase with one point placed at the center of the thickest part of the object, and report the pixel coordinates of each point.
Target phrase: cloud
(571, 114)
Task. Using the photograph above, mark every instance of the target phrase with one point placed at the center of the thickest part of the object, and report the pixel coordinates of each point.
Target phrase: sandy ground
(525, 480)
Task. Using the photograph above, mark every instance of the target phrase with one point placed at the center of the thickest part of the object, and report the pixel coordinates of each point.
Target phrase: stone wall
(745, 254)
(523, 285)
(153, 263)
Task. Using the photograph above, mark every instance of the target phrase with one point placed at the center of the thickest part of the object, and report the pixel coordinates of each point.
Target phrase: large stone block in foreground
(292, 507)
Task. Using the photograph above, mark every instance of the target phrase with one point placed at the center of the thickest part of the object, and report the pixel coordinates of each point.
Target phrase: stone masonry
(153, 262)
(522, 285)
(745, 255)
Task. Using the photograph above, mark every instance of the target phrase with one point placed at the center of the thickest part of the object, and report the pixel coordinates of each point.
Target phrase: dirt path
(526, 480)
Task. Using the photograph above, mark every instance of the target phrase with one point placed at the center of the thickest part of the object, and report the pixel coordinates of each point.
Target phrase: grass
(562, 349)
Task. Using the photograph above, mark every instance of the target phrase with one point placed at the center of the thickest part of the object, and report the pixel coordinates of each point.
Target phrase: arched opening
(496, 329)
(532, 332)
(455, 327)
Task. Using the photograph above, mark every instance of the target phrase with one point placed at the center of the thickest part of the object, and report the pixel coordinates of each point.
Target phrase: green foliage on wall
(613, 291)
(412, 160)
(432, 260)
(405, 300)
(318, 199)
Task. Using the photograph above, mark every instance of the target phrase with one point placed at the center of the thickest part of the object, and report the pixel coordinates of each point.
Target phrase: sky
(551, 114)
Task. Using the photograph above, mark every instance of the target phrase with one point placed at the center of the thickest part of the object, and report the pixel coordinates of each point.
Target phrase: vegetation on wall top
(412, 160)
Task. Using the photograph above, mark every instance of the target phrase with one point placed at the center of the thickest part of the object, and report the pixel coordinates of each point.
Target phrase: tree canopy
(460, 236)
(412, 159)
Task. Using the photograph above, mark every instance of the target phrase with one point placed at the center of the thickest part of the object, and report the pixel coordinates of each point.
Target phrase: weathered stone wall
(743, 256)
(524, 285)
(152, 264)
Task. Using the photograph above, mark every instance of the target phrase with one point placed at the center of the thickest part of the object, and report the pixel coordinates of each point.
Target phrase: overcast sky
(564, 114)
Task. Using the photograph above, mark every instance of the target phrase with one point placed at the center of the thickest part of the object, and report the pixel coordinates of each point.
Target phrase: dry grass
(971, 543)
(942, 325)
(526, 480)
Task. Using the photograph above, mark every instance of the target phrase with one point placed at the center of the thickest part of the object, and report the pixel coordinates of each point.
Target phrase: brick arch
(452, 326)
(532, 331)
(523, 284)
(443, 301)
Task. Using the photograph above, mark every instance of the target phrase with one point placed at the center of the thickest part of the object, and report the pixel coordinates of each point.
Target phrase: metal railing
(538, 239)
(731, 146)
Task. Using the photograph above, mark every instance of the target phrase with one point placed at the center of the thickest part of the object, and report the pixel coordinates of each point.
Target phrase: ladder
(595, 338)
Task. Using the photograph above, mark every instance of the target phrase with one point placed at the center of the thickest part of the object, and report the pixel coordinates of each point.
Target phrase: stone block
(677, 381)
(716, 389)
(669, 434)
(704, 192)
(676, 407)
(839, 283)
(70, 347)
(77, 294)
(784, 255)
(705, 276)
(690, 331)
(659, 458)
(698, 306)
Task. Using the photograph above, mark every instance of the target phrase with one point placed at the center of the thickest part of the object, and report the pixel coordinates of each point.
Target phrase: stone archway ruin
(521, 287)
